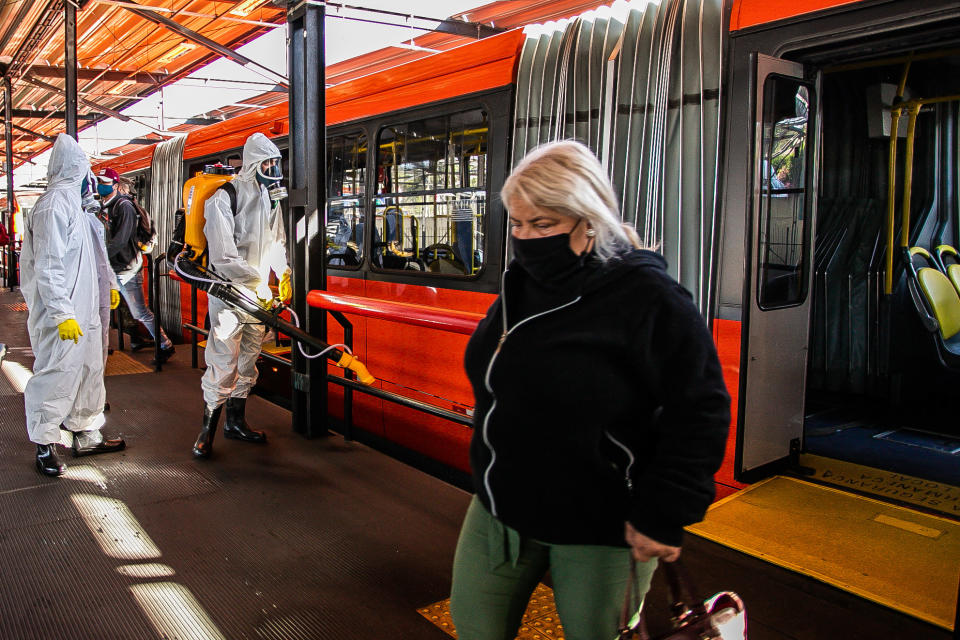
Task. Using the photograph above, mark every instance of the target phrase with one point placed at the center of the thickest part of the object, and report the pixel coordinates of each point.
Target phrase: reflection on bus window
(783, 179)
(346, 180)
(430, 205)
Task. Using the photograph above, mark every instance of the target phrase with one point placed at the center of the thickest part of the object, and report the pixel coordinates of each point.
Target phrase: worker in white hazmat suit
(243, 246)
(59, 280)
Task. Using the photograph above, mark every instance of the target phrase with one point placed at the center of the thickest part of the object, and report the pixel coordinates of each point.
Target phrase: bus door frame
(774, 351)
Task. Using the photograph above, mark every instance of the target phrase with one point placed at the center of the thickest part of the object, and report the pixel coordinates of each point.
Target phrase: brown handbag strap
(683, 591)
(631, 603)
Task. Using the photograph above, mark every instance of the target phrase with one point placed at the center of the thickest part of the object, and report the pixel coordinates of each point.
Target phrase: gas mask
(271, 177)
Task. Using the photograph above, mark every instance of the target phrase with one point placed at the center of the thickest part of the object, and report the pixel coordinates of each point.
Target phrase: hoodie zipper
(630, 460)
(486, 380)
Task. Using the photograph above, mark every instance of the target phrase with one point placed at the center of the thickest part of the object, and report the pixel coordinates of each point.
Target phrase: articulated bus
(796, 163)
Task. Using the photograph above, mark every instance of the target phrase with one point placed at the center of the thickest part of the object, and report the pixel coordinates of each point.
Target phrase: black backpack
(145, 237)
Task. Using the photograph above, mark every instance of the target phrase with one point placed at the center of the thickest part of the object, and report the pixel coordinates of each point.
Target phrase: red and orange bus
(771, 150)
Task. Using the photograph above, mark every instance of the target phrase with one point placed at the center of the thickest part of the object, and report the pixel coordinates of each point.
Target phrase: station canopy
(129, 49)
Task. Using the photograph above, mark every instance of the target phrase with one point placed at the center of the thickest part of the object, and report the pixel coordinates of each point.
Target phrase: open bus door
(784, 185)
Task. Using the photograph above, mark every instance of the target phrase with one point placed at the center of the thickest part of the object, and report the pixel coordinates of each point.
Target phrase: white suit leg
(250, 343)
(66, 387)
(225, 362)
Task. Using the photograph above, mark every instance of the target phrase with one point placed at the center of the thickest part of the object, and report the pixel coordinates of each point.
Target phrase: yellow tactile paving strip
(120, 364)
(898, 557)
(540, 622)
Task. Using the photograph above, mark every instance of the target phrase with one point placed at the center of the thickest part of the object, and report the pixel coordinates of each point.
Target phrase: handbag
(720, 617)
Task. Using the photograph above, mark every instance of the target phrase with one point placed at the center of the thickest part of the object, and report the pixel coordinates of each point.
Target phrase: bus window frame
(498, 103)
(348, 130)
(376, 146)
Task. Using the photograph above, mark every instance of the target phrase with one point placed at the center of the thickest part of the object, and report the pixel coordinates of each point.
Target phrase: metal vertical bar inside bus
(70, 66)
(12, 273)
(307, 203)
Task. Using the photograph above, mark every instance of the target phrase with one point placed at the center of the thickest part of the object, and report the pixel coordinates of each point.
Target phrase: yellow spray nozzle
(347, 361)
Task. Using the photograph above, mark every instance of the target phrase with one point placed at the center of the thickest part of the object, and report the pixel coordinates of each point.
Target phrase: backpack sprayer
(189, 249)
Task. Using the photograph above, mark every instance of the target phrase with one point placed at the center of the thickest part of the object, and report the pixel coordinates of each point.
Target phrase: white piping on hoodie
(486, 379)
(630, 457)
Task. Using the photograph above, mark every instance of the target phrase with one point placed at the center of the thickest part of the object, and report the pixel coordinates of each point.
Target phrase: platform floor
(294, 540)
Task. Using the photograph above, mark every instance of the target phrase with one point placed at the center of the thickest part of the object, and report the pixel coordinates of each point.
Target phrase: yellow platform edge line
(697, 530)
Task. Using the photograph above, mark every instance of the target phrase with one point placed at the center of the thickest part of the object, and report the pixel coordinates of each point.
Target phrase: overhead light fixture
(177, 51)
(245, 8)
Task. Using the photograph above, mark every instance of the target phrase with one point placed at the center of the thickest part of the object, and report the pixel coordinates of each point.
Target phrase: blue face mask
(104, 189)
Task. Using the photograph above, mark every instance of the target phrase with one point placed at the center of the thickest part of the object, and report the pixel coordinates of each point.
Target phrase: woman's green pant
(495, 570)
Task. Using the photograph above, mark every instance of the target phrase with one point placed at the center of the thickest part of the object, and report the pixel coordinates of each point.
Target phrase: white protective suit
(59, 281)
(106, 278)
(244, 249)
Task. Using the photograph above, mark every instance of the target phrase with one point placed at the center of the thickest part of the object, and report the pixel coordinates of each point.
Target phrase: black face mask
(549, 260)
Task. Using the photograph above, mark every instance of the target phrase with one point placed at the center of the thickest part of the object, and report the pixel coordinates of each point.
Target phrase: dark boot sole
(93, 451)
(262, 440)
(53, 473)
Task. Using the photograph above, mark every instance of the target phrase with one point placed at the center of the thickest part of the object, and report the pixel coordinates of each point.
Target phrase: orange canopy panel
(121, 56)
(750, 13)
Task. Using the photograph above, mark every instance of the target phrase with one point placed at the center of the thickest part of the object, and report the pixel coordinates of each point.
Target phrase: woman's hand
(644, 548)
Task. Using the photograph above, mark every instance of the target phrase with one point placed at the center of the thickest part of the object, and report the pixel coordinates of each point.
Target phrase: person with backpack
(246, 242)
(127, 230)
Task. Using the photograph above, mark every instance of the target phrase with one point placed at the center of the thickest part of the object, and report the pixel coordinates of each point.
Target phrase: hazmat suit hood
(256, 149)
(68, 165)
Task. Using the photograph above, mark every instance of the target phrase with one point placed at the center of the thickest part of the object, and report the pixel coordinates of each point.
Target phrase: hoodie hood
(256, 149)
(601, 274)
(68, 165)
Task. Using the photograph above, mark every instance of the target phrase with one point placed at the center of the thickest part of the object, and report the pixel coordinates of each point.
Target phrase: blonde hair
(565, 177)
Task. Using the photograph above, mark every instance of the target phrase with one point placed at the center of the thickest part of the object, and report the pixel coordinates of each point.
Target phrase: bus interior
(881, 375)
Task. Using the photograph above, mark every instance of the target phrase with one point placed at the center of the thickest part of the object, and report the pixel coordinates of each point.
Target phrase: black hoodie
(606, 404)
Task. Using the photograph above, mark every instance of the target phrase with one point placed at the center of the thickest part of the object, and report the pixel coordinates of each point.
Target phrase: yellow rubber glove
(286, 289)
(70, 330)
(114, 298)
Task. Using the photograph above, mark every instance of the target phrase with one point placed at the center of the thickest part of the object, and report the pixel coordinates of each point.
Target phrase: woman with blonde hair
(601, 413)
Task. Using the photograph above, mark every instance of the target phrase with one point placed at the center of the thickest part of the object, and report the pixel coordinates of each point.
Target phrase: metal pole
(13, 277)
(70, 66)
(307, 231)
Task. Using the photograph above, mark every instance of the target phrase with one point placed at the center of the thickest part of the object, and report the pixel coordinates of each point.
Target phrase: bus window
(346, 198)
(431, 197)
(784, 259)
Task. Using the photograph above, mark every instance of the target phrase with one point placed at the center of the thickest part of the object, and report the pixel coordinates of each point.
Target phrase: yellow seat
(952, 270)
(938, 303)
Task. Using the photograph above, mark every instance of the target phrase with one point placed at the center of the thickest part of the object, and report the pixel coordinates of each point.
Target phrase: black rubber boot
(204, 445)
(88, 443)
(235, 426)
(48, 461)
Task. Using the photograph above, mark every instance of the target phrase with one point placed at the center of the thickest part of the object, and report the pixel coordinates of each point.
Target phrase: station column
(306, 223)
(70, 67)
(13, 278)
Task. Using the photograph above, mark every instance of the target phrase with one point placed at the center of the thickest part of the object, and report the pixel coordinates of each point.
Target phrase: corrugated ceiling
(121, 55)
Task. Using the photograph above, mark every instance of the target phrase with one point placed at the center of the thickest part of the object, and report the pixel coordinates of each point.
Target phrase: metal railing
(419, 315)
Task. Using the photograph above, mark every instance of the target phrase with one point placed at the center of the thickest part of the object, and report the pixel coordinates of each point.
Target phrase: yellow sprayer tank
(196, 190)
